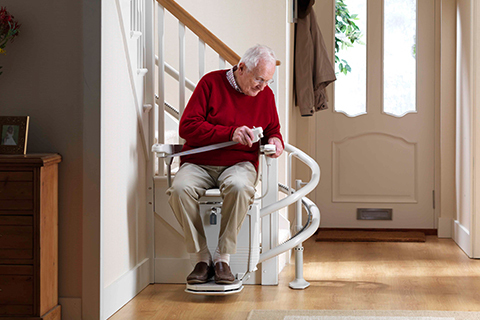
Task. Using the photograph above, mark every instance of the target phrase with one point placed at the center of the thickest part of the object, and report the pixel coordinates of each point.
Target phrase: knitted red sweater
(213, 113)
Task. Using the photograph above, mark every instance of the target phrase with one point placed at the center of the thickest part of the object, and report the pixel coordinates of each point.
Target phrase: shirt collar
(231, 79)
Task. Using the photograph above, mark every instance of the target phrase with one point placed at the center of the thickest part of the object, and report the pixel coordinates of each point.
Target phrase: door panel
(364, 166)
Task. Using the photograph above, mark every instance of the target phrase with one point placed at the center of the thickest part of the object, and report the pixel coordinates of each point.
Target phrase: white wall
(464, 114)
(124, 169)
(42, 77)
(466, 225)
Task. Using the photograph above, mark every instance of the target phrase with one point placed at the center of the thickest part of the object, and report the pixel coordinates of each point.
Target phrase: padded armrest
(166, 149)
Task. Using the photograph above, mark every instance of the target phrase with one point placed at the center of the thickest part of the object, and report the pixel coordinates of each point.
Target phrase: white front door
(375, 144)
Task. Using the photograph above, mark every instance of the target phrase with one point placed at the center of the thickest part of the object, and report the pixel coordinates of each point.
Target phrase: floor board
(435, 275)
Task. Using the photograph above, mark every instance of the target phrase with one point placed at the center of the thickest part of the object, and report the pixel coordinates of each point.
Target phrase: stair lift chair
(248, 239)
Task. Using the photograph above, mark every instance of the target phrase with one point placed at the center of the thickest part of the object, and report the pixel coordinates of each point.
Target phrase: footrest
(213, 289)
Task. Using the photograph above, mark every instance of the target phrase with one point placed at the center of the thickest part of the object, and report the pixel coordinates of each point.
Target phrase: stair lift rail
(298, 196)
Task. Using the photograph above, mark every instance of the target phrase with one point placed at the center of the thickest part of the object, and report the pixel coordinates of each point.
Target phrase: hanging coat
(313, 69)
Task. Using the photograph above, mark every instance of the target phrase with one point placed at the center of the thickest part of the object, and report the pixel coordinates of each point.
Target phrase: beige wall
(42, 78)
(242, 24)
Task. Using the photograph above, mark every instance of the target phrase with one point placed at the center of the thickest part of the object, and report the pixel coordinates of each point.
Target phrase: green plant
(9, 28)
(347, 33)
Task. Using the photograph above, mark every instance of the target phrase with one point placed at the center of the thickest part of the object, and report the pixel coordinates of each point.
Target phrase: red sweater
(213, 113)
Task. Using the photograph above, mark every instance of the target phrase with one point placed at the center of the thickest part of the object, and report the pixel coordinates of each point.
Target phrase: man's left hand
(278, 145)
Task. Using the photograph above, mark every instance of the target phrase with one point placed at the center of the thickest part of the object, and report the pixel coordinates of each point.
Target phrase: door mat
(361, 315)
(370, 236)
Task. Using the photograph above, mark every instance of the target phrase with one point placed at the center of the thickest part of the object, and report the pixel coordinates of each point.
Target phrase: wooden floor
(435, 275)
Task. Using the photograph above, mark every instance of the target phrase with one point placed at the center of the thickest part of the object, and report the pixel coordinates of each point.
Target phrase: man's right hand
(243, 135)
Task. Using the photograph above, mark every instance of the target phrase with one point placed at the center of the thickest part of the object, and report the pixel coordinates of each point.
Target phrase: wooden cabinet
(29, 237)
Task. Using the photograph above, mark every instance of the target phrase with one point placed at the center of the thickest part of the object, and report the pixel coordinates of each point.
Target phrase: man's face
(253, 81)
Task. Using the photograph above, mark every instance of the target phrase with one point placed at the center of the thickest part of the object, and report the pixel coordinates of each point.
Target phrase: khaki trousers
(237, 187)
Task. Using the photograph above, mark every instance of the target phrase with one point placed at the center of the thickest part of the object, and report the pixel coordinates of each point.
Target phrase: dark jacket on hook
(313, 69)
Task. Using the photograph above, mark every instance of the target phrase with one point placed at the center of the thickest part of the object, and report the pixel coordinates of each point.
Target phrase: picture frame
(13, 135)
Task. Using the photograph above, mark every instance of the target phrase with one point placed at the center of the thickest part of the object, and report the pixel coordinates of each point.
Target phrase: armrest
(163, 150)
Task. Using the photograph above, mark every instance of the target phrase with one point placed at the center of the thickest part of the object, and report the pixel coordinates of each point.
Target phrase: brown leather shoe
(201, 273)
(223, 274)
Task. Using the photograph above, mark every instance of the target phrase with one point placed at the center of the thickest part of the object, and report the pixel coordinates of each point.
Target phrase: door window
(398, 68)
(350, 58)
(399, 62)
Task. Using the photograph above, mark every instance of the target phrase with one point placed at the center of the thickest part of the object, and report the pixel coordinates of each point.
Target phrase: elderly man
(225, 105)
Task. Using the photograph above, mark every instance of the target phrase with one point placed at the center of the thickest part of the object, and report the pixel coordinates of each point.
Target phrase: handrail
(299, 194)
(203, 33)
(292, 198)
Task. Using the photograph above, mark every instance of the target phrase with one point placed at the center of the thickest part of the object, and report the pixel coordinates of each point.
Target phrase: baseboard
(125, 288)
(445, 227)
(71, 308)
(462, 237)
(428, 232)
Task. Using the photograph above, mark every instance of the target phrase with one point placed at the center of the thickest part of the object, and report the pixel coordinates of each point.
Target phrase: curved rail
(292, 198)
(315, 178)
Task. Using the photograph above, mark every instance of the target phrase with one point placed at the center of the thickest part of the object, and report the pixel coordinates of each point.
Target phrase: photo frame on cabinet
(13, 135)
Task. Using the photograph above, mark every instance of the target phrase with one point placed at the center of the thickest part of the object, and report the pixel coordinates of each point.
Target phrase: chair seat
(212, 193)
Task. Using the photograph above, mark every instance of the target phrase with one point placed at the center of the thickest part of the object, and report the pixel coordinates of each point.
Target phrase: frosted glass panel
(351, 89)
(399, 78)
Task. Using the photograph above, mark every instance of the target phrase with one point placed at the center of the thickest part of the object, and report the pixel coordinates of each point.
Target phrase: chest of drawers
(29, 237)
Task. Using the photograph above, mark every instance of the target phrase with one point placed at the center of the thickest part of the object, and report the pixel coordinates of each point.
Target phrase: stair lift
(249, 253)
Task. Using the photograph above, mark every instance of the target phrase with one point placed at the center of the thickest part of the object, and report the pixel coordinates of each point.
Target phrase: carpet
(370, 236)
(360, 315)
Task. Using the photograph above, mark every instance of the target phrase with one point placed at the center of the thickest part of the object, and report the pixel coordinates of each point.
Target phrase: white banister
(181, 67)
(142, 29)
(161, 81)
(201, 58)
(275, 86)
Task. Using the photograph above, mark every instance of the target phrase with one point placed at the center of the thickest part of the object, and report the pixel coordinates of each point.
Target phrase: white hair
(256, 53)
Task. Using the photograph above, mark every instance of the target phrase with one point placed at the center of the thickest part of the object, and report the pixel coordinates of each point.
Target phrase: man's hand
(243, 135)
(278, 145)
